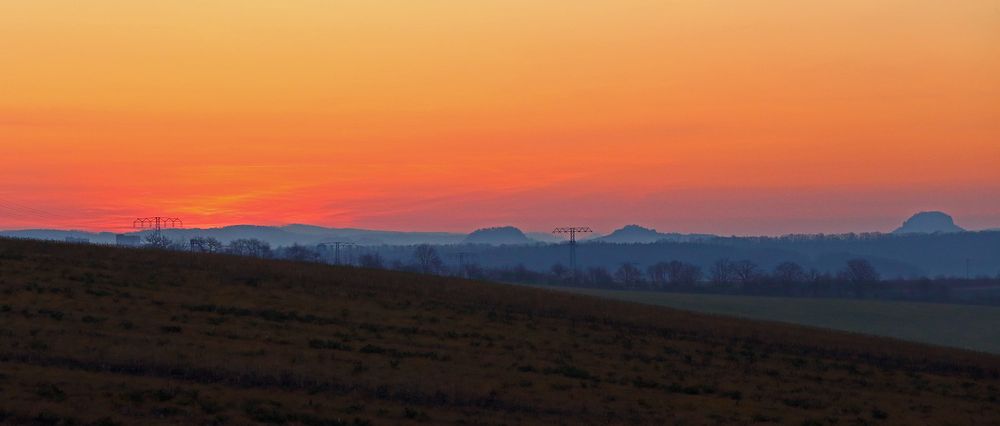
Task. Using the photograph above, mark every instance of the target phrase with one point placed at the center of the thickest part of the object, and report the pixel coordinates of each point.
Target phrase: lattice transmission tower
(157, 223)
(336, 248)
(464, 262)
(572, 231)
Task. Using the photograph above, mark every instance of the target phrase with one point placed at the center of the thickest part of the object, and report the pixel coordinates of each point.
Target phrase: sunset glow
(691, 116)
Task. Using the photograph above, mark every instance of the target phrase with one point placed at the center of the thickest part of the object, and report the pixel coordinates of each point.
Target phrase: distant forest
(957, 267)
(911, 256)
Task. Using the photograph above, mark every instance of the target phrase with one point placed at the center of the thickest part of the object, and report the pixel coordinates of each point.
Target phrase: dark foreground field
(962, 326)
(92, 335)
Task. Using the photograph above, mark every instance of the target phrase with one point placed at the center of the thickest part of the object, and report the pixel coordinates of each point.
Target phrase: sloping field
(961, 326)
(94, 335)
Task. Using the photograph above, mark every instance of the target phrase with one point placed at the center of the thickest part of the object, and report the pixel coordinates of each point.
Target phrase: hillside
(501, 235)
(275, 235)
(928, 223)
(893, 255)
(946, 324)
(97, 335)
(635, 234)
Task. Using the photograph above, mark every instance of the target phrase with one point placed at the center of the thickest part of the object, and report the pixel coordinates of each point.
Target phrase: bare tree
(250, 247)
(859, 274)
(745, 272)
(427, 259)
(598, 276)
(520, 273)
(197, 245)
(560, 273)
(629, 275)
(300, 253)
(213, 245)
(371, 260)
(657, 273)
(789, 272)
(722, 272)
(473, 271)
(158, 241)
(860, 271)
(682, 273)
(205, 245)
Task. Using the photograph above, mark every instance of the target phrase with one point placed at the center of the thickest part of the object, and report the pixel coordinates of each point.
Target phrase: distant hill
(309, 235)
(928, 223)
(102, 335)
(544, 237)
(503, 235)
(894, 255)
(61, 235)
(274, 235)
(638, 234)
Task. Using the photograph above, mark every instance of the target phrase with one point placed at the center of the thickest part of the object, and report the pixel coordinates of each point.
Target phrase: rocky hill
(928, 223)
(503, 235)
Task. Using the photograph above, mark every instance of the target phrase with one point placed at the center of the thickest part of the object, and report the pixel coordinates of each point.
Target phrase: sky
(731, 117)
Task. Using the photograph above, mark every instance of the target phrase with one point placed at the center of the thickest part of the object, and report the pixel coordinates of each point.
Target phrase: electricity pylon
(336, 248)
(156, 223)
(463, 265)
(572, 231)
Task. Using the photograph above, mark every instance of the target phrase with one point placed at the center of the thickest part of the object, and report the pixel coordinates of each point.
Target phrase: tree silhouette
(598, 276)
(745, 272)
(250, 247)
(860, 271)
(371, 261)
(628, 275)
(789, 272)
(158, 241)
(682, 274)
(657, 273)
(300, 253)
(722, 272)
(472, 271)
(560, 273)
(205, 245)
(859, 274)
(427, 259)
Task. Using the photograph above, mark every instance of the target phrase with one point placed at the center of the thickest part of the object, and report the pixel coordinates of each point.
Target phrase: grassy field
(960, 326)
(101, 336)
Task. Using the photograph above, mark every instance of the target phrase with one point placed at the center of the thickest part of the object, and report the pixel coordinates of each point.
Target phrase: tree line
(857, 278)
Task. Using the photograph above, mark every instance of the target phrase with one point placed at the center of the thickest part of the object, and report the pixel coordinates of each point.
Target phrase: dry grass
(973, 327)
(92, 335)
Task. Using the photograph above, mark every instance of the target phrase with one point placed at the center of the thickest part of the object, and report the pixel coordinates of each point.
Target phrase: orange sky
(695, 116)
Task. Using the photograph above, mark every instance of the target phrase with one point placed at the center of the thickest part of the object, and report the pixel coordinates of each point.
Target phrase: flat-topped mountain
(638, 234)
(632, 234)
(501, 235)
(928, 223)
